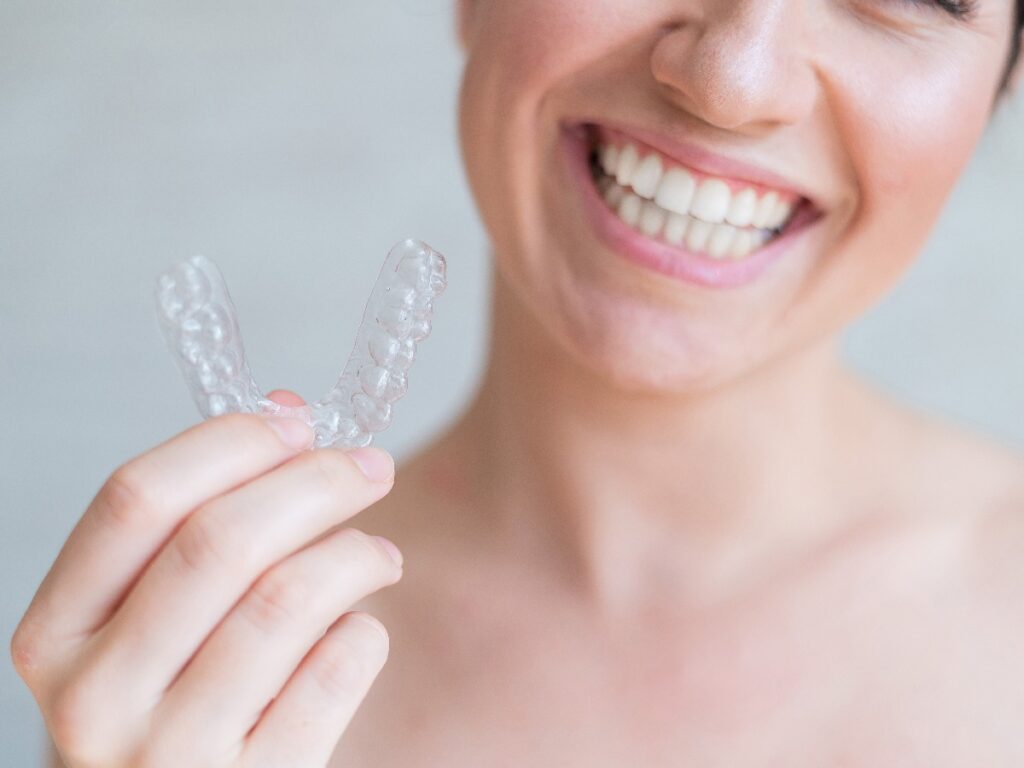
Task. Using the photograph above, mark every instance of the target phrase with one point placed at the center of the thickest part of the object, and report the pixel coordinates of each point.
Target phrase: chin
(651, 364)
(632, 340)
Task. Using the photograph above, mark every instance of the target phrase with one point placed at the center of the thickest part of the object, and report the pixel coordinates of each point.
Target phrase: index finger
(142, 504)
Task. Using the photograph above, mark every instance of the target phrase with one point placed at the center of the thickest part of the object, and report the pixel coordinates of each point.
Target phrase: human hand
(184, 621)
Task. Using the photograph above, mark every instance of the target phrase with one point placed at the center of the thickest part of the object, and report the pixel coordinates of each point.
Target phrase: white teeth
(652, 219)
(614, 196)
(697, 234)
(675, 229)
(647, 176)
(743, 244)
(629, 158)
(741, 209)
(610, 159)
(629, 209)
(671, 204)
(711, 202)
(721, 240)
(765, 209)
(779, 214)
(675, 193)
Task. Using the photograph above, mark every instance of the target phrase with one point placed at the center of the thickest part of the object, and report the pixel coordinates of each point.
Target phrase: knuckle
(31, 650)
(277, 599)
(357, 545)
(244, 429)
(351, 657)
(340, 670)
(129, 495)
(331, 473)
(208, 542)
(25, 651)
(362, 552)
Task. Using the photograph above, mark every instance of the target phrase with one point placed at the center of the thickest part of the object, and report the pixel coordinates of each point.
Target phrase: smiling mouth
(714, 217)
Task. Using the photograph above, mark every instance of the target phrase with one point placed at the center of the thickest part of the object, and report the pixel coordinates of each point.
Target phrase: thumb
(286, 397)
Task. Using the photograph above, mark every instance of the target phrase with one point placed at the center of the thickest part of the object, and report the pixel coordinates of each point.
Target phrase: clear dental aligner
(200, 325)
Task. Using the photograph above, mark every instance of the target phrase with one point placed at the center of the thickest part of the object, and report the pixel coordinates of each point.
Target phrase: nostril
(738, 70)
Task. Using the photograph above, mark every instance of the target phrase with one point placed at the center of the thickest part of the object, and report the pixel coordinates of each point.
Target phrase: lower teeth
(718, 241)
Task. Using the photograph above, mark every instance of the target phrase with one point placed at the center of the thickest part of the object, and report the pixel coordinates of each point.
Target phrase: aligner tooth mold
(200, 325)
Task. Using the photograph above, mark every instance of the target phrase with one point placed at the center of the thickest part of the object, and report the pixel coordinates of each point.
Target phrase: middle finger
(214, 558)
(256, 648)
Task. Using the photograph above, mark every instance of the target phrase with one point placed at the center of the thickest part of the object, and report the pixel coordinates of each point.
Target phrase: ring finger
(248, 659)
(213, 560)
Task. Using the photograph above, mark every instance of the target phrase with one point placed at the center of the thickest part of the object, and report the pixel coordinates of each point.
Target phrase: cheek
(520, 52)
(920, 133)
(909, 138)
(540, 35)
(906, 139)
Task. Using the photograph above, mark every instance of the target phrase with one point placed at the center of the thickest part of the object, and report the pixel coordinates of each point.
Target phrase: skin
(670, 528)
(183, 575)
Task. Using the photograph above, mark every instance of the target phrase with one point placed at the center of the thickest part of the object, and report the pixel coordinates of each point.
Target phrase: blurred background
(294, 143)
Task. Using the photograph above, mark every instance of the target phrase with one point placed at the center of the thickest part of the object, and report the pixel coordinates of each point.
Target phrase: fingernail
(392, 548)
(375, 463)
(293, 433)
(370, 621)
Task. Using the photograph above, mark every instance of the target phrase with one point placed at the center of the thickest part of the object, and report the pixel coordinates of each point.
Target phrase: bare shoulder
(965, 485)
(974, 619)
(996, 547)
(977, 475)
(966, 464)
(982, 474)
(959, 518)
(978, 482)
(986, 594)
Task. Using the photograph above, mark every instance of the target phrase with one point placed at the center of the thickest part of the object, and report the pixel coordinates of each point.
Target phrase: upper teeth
(677, 190)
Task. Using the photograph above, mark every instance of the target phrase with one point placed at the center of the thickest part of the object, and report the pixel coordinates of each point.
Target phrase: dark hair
(1018, 30)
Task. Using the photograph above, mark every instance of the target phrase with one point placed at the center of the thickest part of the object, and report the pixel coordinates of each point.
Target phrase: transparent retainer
(200, 325)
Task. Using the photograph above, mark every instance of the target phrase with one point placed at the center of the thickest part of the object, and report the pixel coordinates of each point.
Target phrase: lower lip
(669, 260)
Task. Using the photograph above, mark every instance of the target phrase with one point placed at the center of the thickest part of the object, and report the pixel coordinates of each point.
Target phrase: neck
(618, 488)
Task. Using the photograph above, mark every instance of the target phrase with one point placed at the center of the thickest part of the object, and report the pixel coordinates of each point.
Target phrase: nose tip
(739, 70)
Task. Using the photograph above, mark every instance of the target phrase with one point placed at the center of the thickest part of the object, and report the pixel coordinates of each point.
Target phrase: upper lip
(708, 162)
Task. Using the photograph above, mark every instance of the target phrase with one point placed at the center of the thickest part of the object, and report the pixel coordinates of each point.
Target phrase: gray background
(294, 142)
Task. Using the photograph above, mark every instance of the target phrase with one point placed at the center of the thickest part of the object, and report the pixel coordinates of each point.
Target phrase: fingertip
(375, 463)
(294, 433)
(373, 637)
(286, 397)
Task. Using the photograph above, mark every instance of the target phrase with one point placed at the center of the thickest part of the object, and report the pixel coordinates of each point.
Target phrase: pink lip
(705, 161)
(670, 260)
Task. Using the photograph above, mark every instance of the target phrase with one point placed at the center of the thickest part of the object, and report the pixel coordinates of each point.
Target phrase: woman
(671, 529)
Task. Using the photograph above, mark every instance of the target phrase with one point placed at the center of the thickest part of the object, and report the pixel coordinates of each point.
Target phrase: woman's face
(680, 190)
